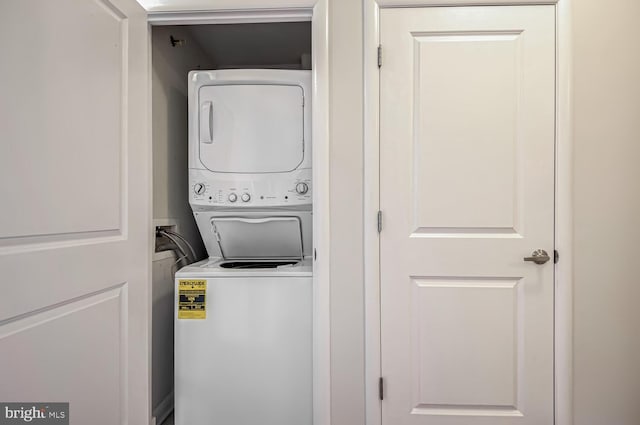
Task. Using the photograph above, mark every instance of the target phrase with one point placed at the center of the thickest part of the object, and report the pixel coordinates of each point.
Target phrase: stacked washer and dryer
(243, 319)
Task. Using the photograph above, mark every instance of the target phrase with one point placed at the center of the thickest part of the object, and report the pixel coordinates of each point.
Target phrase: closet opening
(176, 50)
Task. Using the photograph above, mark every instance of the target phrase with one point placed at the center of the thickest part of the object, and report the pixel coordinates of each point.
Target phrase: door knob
(539, 256)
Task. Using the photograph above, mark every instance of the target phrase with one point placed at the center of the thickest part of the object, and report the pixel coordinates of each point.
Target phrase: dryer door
(251, 127)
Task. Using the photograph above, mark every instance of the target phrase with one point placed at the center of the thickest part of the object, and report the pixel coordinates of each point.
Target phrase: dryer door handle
(206, 122)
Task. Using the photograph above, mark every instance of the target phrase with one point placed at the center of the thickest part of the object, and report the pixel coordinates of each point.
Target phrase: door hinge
(556, 256)
(379, 221)
(381, 388)
(379, 55)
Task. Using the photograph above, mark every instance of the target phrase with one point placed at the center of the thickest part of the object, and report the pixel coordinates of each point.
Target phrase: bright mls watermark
(34, 413)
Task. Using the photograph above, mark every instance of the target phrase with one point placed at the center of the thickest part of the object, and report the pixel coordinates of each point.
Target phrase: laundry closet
(240, 210)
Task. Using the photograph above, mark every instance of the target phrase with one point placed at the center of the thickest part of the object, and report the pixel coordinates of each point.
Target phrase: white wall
(607, 212)
(346, 186)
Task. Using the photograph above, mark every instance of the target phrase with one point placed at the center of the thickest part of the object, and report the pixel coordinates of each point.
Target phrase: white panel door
(466, 192)
(74, 221)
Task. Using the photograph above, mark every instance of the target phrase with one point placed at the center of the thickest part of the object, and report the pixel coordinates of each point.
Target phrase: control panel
(250, 190)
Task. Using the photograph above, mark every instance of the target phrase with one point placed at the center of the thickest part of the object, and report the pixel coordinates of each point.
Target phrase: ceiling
(260, 44)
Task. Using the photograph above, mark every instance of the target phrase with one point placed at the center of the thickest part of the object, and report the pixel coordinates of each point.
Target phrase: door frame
(316, 11)
(563, 276)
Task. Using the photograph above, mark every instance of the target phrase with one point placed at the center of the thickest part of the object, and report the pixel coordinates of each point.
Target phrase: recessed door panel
(466, 141)
(466, 343)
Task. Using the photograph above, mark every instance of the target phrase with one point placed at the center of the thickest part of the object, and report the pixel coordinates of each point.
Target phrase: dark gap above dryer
(257, 45)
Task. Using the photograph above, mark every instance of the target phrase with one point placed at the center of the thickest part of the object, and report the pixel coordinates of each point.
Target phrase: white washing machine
(248, 361)
(243, 318)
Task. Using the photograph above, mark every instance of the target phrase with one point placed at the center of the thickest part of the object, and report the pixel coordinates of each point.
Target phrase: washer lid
(242, 238)
(251, 127)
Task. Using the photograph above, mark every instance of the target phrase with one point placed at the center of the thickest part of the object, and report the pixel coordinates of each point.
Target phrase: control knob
(233, 197)
(302, 188)
(245, 197)
(199, 188)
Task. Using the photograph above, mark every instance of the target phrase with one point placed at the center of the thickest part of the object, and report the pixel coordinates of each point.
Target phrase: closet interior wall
(170, 65)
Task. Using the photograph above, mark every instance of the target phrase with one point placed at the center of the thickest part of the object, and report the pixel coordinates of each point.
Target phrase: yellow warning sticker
(192, 294)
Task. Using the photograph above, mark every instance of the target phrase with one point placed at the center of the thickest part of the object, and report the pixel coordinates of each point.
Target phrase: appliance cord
(183, 254)
(183, 239)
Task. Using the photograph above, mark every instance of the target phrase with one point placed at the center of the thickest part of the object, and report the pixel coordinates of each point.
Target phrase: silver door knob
(539, 256)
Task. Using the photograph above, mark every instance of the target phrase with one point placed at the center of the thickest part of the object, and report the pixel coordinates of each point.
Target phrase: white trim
(154, 6)
(563, 356)
(435, 3)
(229, 16)
(564, 218)
(371, 91)
(317, 13)
(164, 221)
(321, 210)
